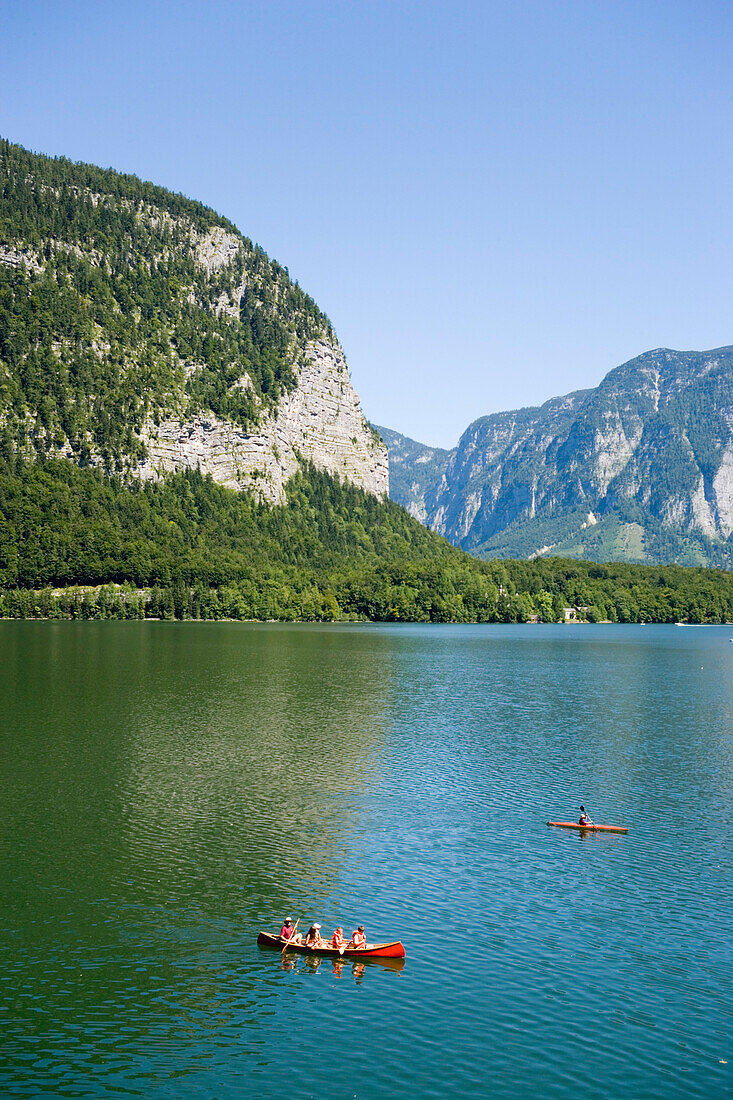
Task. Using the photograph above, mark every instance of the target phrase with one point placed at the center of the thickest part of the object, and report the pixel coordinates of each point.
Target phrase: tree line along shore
(275, 603)
(76, 543)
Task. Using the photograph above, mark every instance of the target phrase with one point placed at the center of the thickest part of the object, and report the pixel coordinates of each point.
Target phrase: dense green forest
(75, 543)
(110, 315)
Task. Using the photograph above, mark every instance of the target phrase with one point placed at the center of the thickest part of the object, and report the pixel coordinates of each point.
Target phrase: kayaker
(337, 941)
(313, 937)
(287, 932)
(584, 819)
(358, 938)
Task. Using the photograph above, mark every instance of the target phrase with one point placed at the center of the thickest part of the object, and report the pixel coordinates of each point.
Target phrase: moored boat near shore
(393, 950)
(589, 828)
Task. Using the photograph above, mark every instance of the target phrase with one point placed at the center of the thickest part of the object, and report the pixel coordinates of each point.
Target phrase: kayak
(589, 828)
(371, 951)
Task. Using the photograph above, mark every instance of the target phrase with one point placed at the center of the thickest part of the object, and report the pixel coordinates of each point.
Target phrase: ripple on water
(186, 785)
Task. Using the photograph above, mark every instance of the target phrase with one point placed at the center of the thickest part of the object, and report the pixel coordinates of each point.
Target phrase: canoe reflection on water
(585, 835)
(338, 966)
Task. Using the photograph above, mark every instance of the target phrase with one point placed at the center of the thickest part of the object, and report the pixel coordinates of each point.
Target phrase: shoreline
(344, 622)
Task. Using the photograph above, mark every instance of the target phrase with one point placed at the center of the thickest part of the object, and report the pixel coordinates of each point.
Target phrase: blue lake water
(171, 788)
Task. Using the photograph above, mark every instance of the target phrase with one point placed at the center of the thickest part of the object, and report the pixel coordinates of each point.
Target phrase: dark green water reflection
(168, 789)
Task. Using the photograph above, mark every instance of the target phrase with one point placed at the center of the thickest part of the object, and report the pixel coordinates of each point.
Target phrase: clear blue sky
(494, 202)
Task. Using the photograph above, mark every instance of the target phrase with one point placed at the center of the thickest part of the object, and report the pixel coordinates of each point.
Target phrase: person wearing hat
(313, 937)
(358, 938)
(287, 932)
(584, 819)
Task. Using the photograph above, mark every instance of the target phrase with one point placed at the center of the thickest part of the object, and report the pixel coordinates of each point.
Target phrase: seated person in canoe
(313, 937)
(358, 939)
(288, 933)
(584, 819)
(337, 940)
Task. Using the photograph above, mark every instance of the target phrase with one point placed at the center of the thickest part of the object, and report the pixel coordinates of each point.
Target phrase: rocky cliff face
(640, 468)
(319, 420)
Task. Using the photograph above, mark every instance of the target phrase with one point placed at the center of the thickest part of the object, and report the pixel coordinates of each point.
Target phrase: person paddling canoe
(288, 933)
(584, 819)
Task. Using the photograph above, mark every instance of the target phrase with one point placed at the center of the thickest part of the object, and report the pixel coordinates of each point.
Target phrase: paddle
(288, 942)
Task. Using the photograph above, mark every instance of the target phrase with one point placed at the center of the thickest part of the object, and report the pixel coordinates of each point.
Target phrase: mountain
(638, 469)
(142, 333)
(178, 430)
(179, 438)
(415, 470)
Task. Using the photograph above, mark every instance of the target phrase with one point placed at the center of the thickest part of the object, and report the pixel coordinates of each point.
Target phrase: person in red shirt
(287, 932)
(358, 938)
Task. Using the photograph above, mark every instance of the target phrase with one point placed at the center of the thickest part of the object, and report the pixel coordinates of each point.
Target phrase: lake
(171, 788)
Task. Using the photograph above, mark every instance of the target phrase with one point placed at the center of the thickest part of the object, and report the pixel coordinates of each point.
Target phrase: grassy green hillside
(623, 534)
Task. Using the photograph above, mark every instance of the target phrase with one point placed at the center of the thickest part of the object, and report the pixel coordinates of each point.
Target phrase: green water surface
(168, 789)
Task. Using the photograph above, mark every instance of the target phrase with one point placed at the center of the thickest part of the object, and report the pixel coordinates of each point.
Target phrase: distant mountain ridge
(638, 469)
(414, 471)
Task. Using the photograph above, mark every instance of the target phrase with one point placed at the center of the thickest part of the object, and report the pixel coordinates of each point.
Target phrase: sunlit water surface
(169, 789)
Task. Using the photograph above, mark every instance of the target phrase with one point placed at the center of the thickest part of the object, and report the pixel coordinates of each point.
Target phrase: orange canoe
(371, 951)
(589, 828)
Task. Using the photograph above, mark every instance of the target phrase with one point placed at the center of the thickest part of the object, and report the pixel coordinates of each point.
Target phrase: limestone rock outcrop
(320, 420)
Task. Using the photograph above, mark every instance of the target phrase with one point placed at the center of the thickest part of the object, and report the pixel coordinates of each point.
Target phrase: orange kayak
(589, 828)
(371, 951)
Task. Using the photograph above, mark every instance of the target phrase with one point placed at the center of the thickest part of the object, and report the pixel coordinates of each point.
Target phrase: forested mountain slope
(638, 469)
(141, 332)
